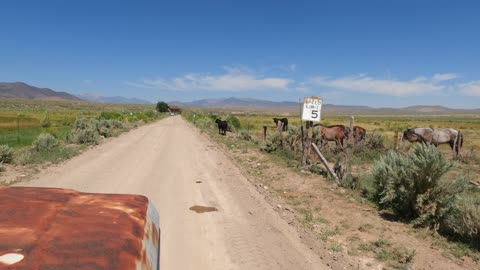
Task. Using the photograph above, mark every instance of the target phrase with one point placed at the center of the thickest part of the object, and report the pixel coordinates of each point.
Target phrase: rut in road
(177, 167)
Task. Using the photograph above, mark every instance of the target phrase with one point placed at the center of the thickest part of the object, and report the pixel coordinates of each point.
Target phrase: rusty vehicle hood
(46, 228)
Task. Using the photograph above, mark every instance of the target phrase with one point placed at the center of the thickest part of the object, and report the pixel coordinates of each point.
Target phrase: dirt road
(164, 161)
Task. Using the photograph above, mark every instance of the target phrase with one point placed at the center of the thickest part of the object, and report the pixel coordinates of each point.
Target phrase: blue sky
(376, 53)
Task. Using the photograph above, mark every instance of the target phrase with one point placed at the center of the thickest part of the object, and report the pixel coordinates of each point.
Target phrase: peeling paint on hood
(47, 228)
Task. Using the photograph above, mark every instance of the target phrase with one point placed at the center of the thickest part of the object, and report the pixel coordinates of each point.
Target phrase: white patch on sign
(11, 258)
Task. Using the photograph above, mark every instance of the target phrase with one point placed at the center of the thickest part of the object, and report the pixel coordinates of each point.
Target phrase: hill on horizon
(23, 90)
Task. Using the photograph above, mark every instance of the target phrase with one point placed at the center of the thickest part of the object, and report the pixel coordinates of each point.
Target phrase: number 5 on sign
(312, 106)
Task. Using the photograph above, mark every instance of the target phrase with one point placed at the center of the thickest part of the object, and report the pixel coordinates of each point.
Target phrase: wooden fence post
(264, 133)
(395, 138)
(303, 143)
(306, 152)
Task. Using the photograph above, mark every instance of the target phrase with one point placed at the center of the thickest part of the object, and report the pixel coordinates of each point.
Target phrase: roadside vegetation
(419, 185)
(36, 132)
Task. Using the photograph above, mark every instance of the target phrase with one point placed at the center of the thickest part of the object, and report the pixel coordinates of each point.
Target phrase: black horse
(222, 126)
(284, 122)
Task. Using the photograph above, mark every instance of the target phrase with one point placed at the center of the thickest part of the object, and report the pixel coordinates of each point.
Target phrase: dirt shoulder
(342, 228)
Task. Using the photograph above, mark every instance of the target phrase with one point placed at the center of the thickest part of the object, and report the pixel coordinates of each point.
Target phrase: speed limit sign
(312, 107)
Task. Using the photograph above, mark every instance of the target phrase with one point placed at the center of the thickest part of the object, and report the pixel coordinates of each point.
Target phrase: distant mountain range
(258, 104)
(23, 90)
(234, 102)
(112, 100)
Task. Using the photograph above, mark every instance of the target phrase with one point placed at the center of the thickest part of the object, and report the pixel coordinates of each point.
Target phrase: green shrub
(24, 158)
(233, 122)
(150, 113)
(82, 123)
(117, 124)
(45, 142)
(414, 187)
(84, 132)
(464, 219)
(294, 138)
(244, 135)
(375, 141)
(110, 116)
(84, 136)
(273, 142)
(6, 154)
(104, 127)
(45, 123)
(204, 122)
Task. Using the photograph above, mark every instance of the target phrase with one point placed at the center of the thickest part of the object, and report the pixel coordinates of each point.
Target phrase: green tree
(162, 106)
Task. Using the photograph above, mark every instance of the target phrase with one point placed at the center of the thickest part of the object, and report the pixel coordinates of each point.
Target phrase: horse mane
(422, 139)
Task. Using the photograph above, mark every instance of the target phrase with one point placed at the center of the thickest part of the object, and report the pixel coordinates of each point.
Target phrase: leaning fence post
(324, 161)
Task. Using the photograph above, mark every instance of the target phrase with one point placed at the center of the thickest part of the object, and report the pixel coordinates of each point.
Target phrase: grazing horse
(358, 134)
(284, 122)
(436, 137)
(336, 133)
(222, 126)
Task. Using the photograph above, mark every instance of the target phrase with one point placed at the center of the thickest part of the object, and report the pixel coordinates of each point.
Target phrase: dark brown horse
(358, 134)
(222, 126)
(337, 133)
(281, 121)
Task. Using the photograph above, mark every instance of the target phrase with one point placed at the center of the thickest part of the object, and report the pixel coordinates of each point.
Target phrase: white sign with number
(312, 106)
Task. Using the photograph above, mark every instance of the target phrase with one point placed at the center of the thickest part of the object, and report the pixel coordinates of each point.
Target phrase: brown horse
(358, 134)
(336, 133)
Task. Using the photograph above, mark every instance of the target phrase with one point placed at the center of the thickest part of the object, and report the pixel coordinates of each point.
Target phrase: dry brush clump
(84, 132)
(416, 187)
(273, 142)
(244, 135)
(464, 219)
(6, 154)
(45, 142)
(413, 186)
(89, 131)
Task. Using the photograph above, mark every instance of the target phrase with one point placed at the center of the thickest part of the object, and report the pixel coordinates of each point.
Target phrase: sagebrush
(45, 142)
(6, 154)
(414, 186)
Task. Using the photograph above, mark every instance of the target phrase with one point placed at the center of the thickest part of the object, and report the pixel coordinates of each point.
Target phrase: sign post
(312, 107)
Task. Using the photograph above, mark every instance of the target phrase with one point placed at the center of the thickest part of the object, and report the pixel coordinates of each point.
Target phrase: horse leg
(454, 147)
(338, 143)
